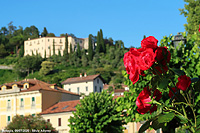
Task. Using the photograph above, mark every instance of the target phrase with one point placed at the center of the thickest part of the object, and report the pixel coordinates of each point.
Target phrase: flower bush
(170, 94)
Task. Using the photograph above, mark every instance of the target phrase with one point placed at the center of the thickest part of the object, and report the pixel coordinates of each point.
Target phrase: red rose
(143, 99)
(199, 27)
(157, 94)
(161, 52)
(170, 92)
(149, 42)
(131, 67)
(146, 59)
(159, 71)
(183, 82)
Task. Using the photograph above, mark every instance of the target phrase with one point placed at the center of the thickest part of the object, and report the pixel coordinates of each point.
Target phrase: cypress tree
(21, 52)
(59, 53)
(78, 50)
(90, 49)
(45, 54)
(66, 47)
(54, 52)
(98, 48)
(45, 32)
(71, 51)
(102, 41)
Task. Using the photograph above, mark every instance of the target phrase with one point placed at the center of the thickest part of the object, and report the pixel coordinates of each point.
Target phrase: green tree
(99, 47)
(45, 32)
(21, 52)
(45, 54)
(31, 32)
(97, 113)
(191, 11)
(71, 51)
(47, 67)
(66, 47)
(3, 51)
(78, 51)
(102, 41)
(90, 49)
(84, 59)
(30, 122)
(50, 35)
(54, 51)
(17, 41)
(28, 63)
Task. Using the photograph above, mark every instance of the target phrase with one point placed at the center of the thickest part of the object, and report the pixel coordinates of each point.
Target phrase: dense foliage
(184, 57)
(105, 58)
(97, 113)
(30, 123)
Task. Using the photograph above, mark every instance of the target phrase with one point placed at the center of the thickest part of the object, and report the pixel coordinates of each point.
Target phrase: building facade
(84, 84)
(29, 97)
(59, 114)
(44, 45)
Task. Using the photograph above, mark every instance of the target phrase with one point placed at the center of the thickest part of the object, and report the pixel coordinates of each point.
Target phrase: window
(80, 41)
(60, 47)
(25, 86)
(33, 102)
(60, 40)
(95, 89)
(69, 89)
(59, 121)
(97, 81)
(54, 108)
(8, 120)
(78, 90)
(8, 105)
(48, 40)
(86, 88)
(65, 107)
(22, 103)
(100, 89)
(48, 120)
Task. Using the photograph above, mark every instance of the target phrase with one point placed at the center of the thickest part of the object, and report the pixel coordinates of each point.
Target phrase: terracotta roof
(66, 106)
(119, 90)
(81, 79)
(35, 84)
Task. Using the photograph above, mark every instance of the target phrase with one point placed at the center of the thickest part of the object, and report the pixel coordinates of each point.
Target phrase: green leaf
(156, 125)
(178, 71)
(165, 117)
(182, 119)
(145, 126)
(163, 83)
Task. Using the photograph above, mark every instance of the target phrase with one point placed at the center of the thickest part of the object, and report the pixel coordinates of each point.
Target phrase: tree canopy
(97, 113)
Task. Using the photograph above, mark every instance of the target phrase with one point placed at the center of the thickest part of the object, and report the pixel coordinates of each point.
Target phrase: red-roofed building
(84, 84)
(59, 113)
(29, 96)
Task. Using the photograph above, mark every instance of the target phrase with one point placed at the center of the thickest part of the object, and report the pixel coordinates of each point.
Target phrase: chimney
(81, 75)
(85, 75)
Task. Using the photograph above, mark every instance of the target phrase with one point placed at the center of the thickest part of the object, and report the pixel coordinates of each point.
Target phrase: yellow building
(59, 114)
(29, 97)
(45, 44)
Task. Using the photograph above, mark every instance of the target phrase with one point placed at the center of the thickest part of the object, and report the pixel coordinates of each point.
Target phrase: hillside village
(55, 102)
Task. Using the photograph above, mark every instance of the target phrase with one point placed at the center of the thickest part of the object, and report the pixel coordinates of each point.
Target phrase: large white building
(84, 84)
(45, 44)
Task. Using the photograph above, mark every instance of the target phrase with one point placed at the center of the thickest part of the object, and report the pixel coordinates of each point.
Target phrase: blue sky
(126, 20)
